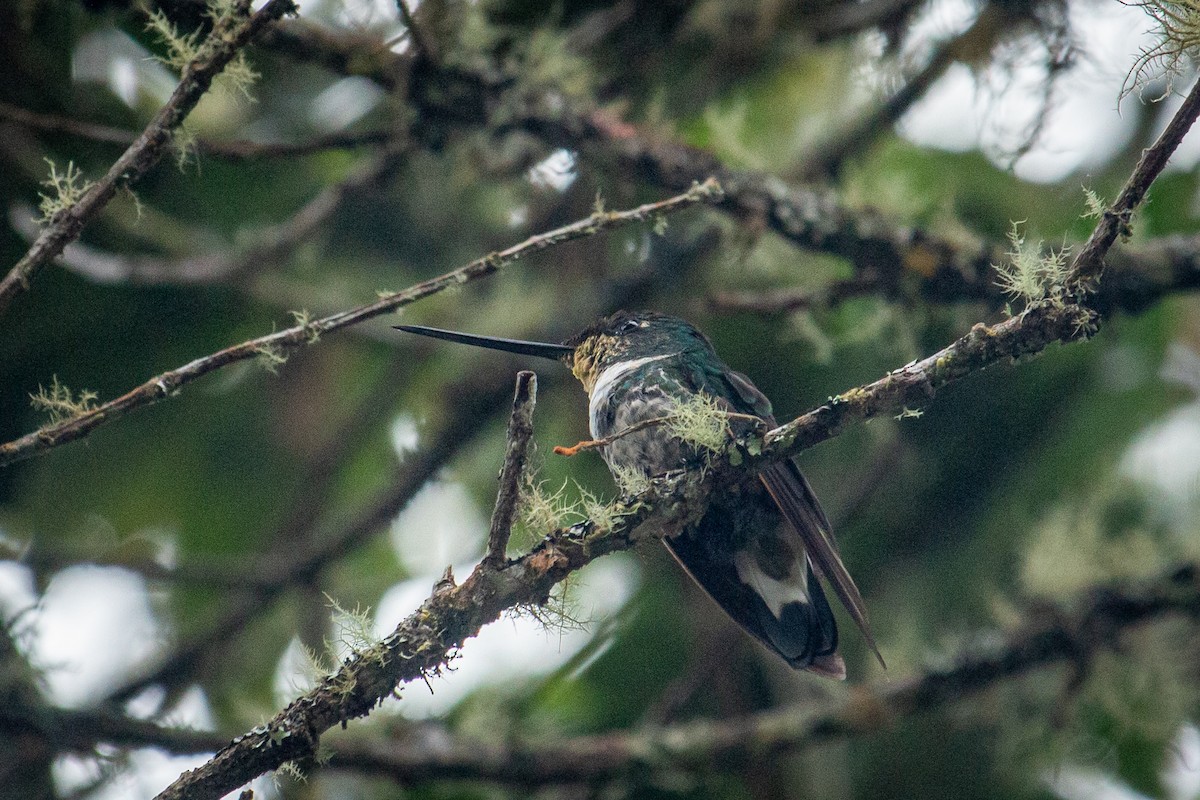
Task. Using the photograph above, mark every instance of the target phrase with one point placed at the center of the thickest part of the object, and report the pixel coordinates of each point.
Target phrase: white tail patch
(775, 593)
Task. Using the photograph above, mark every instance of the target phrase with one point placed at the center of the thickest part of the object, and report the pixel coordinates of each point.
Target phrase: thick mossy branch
(422, 642)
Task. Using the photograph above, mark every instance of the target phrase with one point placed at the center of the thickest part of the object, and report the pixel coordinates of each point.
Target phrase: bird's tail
(758, 573)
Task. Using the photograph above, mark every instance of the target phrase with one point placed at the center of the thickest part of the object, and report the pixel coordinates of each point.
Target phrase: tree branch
(280, 342)
(1049, 635)
(1116, 220)
(827, 158)
(423, 642)
(423, 44)
(266, 246)
(150, 146)
(882, 253)
(520, 430)
(791, 299)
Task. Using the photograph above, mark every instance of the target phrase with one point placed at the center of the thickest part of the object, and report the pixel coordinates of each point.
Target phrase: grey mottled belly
(618, 404)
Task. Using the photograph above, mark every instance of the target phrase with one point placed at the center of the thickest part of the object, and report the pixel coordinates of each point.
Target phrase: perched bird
(757, 547)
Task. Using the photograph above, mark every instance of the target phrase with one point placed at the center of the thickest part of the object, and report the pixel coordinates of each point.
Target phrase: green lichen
(66, 188)
(60, 404)
(1030, 274)
(701, 421)
(1178, 41)
(186, 49)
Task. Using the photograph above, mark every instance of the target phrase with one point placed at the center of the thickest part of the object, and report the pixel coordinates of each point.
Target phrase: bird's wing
(799, 505)
(756, 402)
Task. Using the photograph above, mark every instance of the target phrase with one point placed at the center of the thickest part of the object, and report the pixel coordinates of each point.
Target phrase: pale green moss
(1030, 274)
(60, 403)
(66, 188)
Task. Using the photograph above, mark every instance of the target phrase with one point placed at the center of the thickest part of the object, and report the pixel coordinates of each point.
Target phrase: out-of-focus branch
(847, 19)
(883, 254)
(1137, 277)
(25, 760)
(808, 217)
(81, 730)
(425, 46)
(280, 342)
(776, 300)
(828, 157)
(236, 150)
(267, 246)
(228, 37)
(341, 52)
(1047, 637)
(216, 572)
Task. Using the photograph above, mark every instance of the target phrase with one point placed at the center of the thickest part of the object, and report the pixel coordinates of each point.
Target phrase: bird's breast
(627, 394)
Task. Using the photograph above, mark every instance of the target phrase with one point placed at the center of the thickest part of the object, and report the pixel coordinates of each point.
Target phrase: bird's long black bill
(554, 352)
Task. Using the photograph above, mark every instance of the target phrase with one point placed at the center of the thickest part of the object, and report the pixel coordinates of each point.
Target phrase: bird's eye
(628, 325)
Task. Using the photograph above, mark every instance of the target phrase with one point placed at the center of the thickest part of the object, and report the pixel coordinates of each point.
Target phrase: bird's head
(624, 336)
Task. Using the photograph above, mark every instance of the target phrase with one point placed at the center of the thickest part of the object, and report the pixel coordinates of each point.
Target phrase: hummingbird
(759, 547)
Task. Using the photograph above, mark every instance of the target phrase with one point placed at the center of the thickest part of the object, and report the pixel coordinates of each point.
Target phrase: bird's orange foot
(576, 449)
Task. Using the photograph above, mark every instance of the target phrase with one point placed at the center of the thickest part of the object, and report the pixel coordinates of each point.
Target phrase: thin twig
(284, 341)
(265, 247)
(351, 53)
(520, 430)
(214, 571)
(144, 153)
(52, 123)
(1116, 220)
